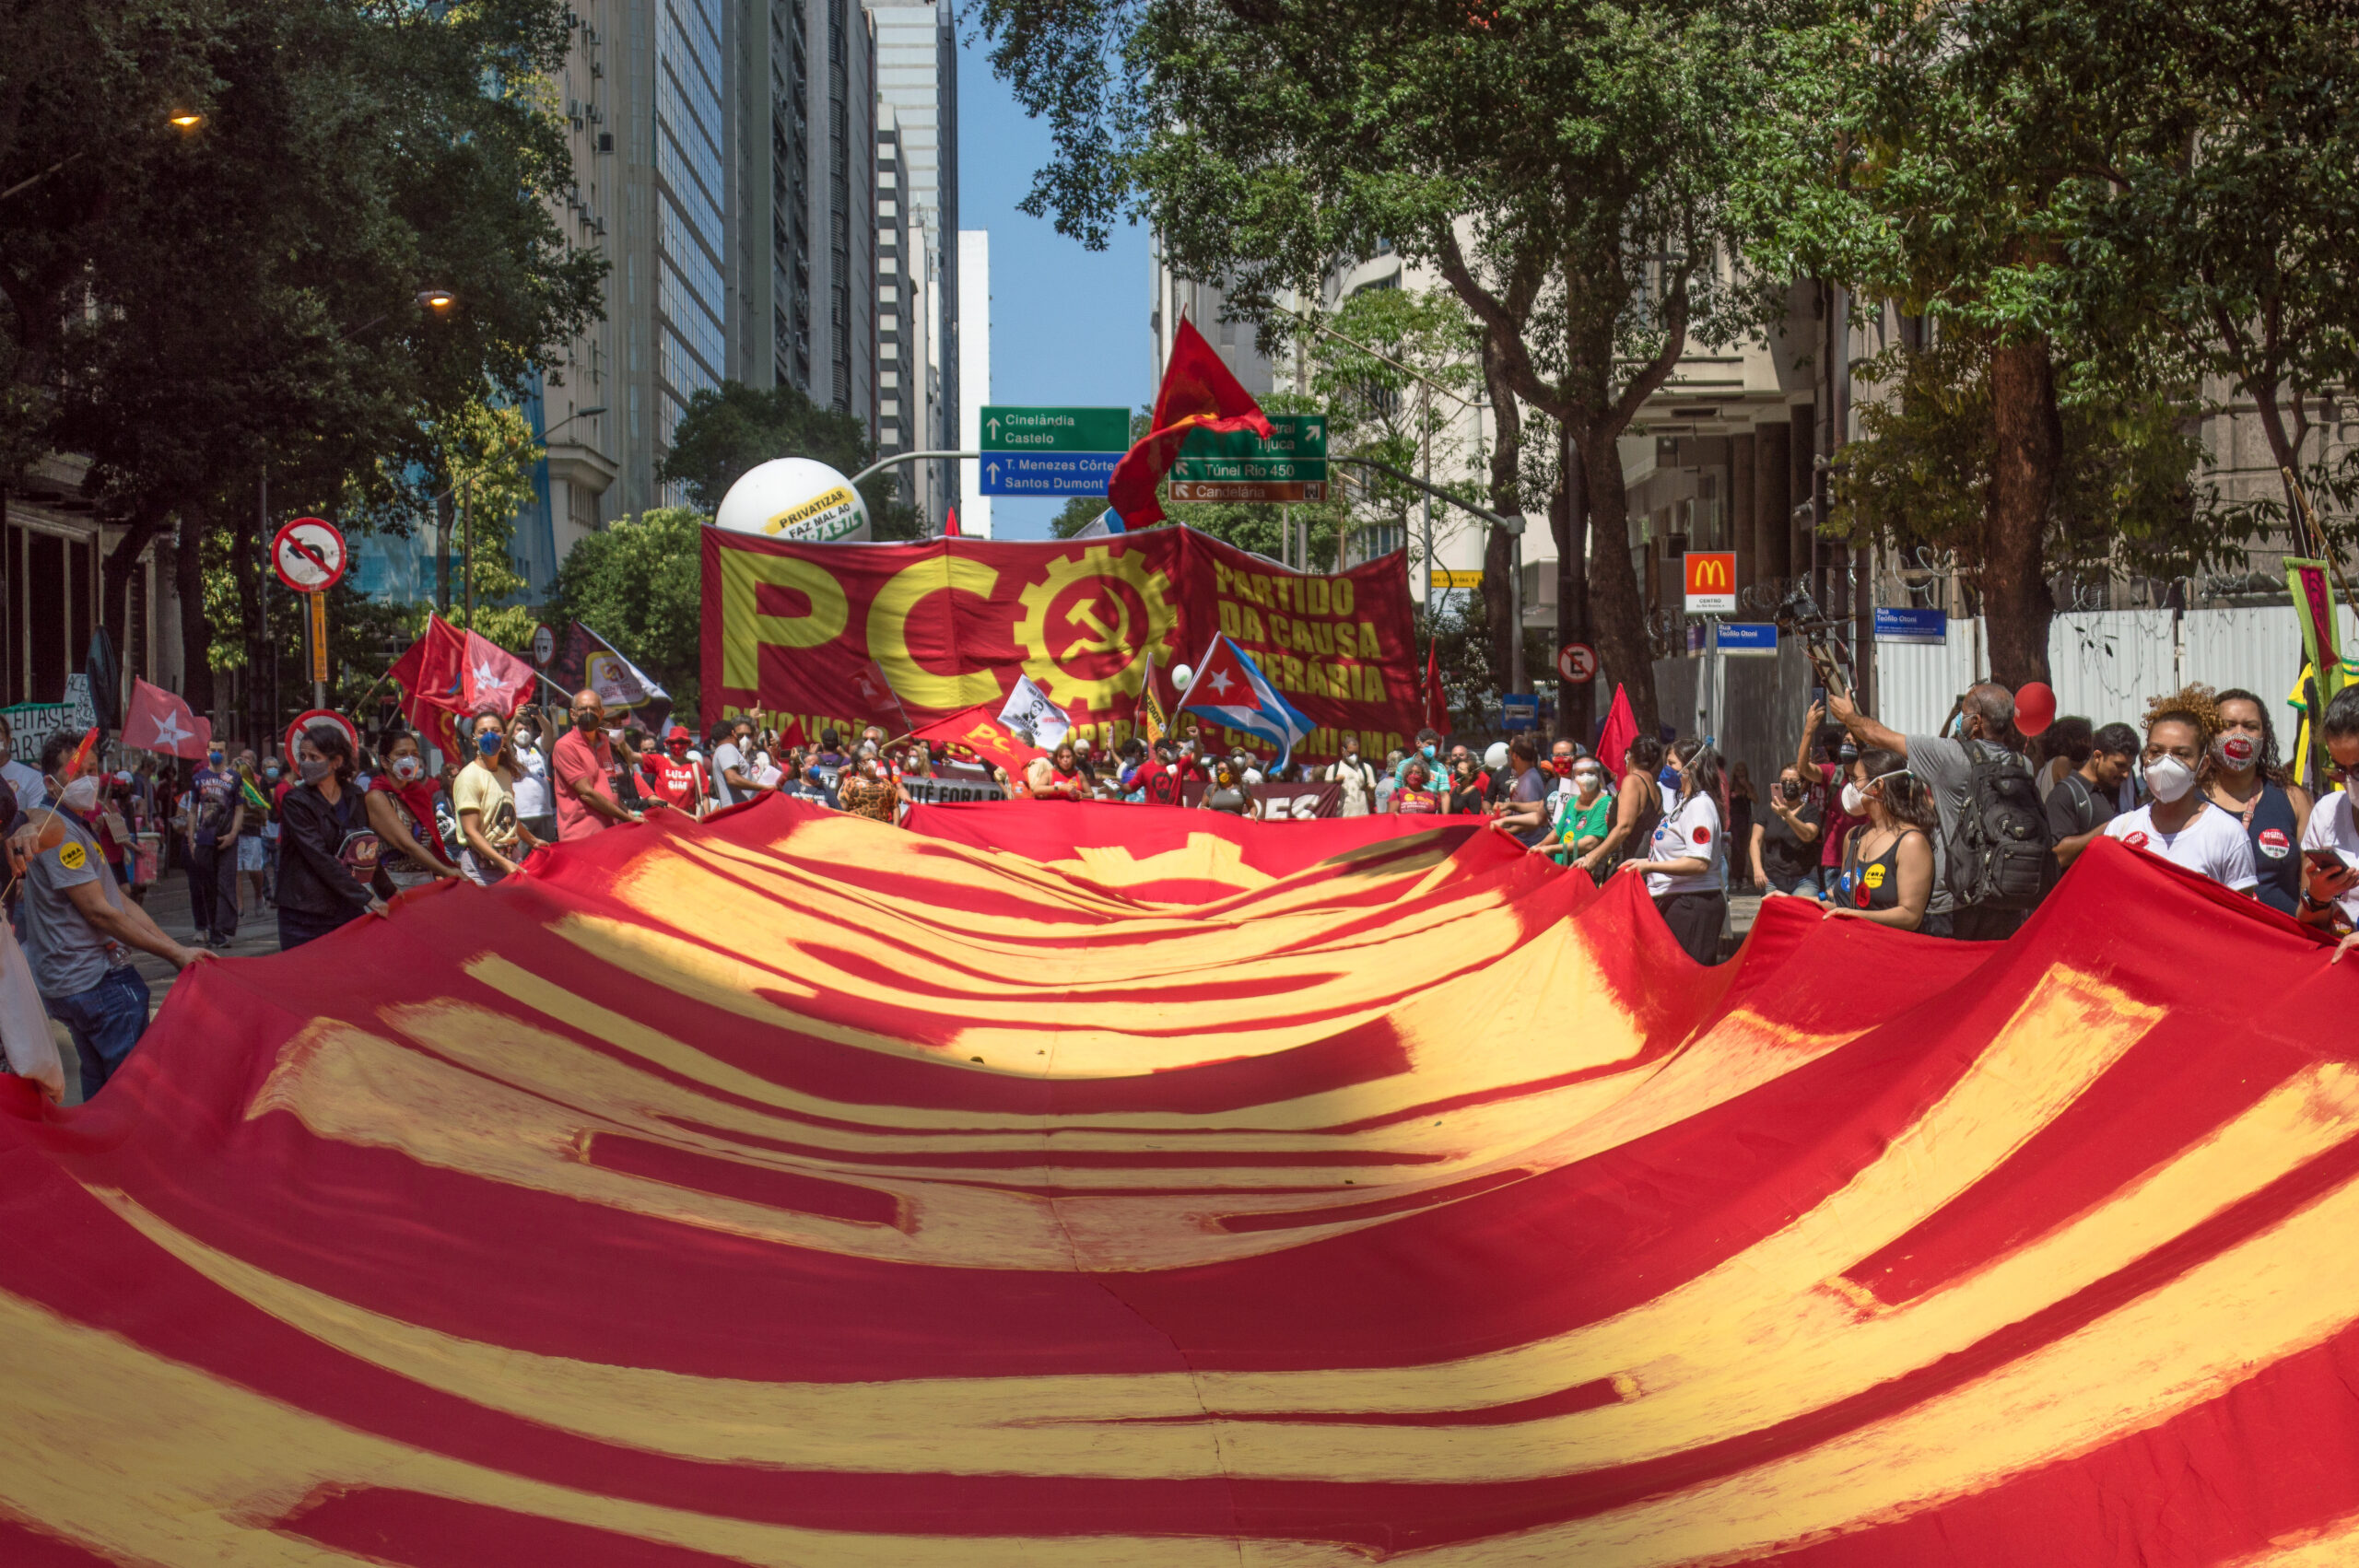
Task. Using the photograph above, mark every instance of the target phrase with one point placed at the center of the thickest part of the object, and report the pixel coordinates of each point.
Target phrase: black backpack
(2001, 856)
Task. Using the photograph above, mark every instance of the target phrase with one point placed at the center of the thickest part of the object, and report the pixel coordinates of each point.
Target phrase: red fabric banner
(1073, 1185)
(814, 630)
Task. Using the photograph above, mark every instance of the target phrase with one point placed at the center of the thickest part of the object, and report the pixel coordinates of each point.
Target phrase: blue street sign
(1749, 637)
(1047, 473)
(1912, 626)
(1521, 710)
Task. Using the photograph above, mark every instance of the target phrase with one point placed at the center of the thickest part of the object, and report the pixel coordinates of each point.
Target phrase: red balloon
(2035, 707)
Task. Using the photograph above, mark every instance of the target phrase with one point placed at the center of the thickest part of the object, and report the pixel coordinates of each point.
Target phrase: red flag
(492, 680)
(432, 677)
(1621, 728)
(980, 730)
(794, 734)
(1437, 699)
(950, 528)
(1198, 394)
(159, 721)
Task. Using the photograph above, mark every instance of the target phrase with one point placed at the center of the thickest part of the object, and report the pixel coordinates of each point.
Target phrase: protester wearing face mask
(668, 776)
(1686, 854)
(400, 806)
(1785, 849)
(2089, 796)
(733, 762)
(328, 870)
(1522, 811)
(1426, 751)
(529, 739)
(1358, 779)
(1995, 862)
(1638, 808)
(1414, 796)
(2246, 782)
(1888, 865)
(492, 840)
(254, 853)
(80, 928)
(1823, 760)
(1585, 815)
(870, 790)
(584, 766)
(1468, 785)
(2330, 841)
(2179, 823)
(216, 817)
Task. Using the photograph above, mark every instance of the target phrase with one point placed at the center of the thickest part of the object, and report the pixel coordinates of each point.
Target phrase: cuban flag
(1230, 687)
(1109, 521)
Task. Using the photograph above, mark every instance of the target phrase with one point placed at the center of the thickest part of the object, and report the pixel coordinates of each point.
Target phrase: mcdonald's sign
(1712, 582)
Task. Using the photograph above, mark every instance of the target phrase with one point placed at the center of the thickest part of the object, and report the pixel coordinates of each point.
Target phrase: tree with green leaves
(730, 428)
(638, 583)
(244, 299)
(1572, 172)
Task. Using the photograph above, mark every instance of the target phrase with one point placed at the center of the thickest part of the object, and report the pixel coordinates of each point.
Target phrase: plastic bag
(30, 1050)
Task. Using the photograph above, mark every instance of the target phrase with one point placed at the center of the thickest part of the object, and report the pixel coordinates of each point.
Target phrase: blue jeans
(106, 1021)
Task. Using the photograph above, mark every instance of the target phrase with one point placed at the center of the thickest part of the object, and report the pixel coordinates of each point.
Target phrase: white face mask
(409, 768)
(1855, 798)
(81, 795)
(2168, 779)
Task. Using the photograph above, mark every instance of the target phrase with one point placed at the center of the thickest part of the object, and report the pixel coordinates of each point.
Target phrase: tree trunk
(1498, 549)
(114, 577)
(1568, 522)
(2016, 605)
(245, 551)
(1614, 610)
(196, 629)
(2286, 448)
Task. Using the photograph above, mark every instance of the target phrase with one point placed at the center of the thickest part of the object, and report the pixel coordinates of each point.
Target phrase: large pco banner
(899, 634)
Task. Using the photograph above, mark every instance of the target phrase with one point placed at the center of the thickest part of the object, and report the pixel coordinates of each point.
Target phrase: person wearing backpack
(1995, 862)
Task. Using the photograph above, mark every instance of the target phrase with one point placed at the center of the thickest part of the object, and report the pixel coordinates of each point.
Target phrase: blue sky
(1069, 326)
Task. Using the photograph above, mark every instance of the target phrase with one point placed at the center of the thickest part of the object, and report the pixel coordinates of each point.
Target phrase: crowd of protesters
(1958, 834)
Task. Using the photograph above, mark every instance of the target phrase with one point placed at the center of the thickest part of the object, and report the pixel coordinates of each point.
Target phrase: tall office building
(908, 377)
(974, 374)
(917, 82)
(807, 118)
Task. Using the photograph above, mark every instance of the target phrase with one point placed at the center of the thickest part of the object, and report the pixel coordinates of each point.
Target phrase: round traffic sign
(544, 646)
(310, 555)
(320, 715)
(1577, 662)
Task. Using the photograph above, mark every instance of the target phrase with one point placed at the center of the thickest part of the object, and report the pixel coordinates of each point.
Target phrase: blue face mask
(489, 743)
(1668, 778)
(1429, 754)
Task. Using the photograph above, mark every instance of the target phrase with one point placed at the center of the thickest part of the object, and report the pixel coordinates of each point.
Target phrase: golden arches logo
(1708, 571)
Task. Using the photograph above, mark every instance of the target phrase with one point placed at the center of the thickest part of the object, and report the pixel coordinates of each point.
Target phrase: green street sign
(1237, 465)
(1056, 429)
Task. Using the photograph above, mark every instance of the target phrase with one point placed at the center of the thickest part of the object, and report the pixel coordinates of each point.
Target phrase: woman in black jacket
(328, 874)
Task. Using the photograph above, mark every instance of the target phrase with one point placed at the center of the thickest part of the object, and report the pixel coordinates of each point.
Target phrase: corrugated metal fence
(2104, 665)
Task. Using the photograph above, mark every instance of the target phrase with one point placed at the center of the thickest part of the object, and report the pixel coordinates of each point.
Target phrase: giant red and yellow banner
(900, 635)
(1075, 1185)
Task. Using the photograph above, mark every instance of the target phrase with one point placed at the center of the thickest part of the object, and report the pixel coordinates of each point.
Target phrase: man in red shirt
(670, 777)
(584, 764)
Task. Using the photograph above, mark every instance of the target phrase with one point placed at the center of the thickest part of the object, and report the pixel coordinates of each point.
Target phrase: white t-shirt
(728, 758)
(2332, 828)
(31, 794)
(2213, 843)
(532, 782)
(1691, 829)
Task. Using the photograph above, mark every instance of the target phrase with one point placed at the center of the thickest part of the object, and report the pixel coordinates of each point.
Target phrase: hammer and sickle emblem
(1108, 641)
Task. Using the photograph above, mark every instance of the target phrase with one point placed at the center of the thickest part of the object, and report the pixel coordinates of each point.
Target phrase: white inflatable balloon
(1181, 675)
(794, 497)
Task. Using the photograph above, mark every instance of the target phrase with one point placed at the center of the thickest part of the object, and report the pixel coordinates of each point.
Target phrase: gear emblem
(1087, 649)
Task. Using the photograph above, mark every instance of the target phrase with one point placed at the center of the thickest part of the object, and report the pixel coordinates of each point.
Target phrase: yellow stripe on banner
(151, 1461)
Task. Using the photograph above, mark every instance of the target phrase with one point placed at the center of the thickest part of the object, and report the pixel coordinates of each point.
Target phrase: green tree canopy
(729, 429)
(638, 583)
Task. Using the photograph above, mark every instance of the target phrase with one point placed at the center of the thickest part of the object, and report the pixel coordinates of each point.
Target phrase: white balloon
(1181, 675)
(794, 497)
